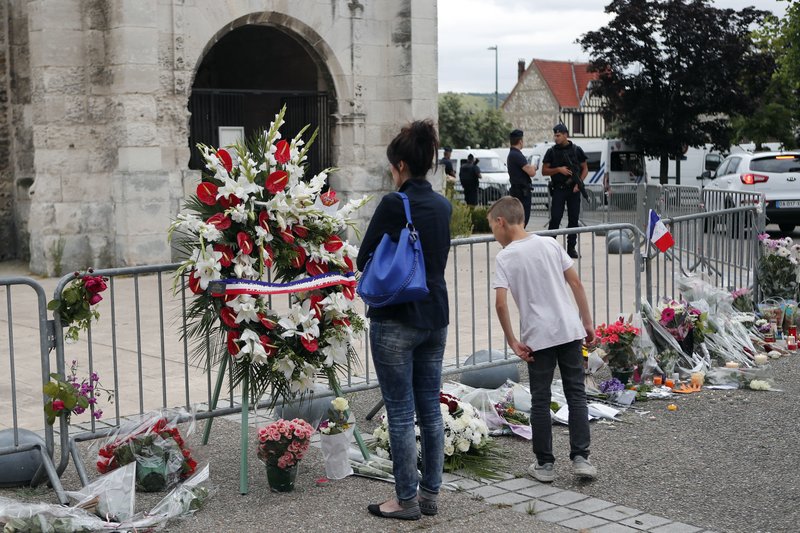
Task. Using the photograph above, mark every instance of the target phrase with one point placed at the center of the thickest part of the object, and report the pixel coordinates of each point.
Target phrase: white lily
(286, 366)
(245, 307)
(253, 347)
(242, 188)
(208, 267)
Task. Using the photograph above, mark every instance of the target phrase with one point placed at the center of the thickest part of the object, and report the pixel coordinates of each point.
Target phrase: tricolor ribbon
(245, 286)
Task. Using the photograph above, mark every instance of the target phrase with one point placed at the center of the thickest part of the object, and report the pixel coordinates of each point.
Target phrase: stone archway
(247, 75)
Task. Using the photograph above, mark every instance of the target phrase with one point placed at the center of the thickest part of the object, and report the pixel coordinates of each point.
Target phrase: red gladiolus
(282, 152)
(225, 158)
(245, 242)
(227, 254)
(299, 259)
(228, 317)
(328, 198)
(286, 235)
(207, 193)
(194, 283)
(220, 221)
(263, 219)
(333, 244)
(300, 230)
(233, 336)
(276, 182)
(58, 405)
(229, 201)
(315, 268)
(309, 344)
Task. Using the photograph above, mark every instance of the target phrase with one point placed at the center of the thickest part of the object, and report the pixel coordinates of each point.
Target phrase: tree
(670, 72)
(461, 125)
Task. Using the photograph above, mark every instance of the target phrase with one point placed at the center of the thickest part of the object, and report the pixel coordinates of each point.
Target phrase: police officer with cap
(520, 173)
(565, 163)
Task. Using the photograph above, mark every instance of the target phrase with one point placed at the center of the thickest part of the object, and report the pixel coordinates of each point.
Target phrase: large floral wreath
(254, 228)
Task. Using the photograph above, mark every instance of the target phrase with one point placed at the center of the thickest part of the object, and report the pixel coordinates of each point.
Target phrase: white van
(494, 181)
(609, 161)
(695, 164)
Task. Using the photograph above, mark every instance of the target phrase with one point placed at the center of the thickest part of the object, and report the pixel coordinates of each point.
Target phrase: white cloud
(521, 30)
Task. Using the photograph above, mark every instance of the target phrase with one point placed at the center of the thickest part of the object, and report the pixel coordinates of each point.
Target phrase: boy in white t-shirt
(537, 272)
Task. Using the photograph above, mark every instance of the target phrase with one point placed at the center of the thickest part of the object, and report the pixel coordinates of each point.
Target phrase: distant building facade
(549, 92)
(103, 101)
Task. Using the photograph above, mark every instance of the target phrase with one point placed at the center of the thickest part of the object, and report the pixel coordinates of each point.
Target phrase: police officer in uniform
(520, 173)
(565, 163)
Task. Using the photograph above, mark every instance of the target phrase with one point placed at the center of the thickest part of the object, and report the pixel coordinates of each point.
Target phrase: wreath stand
(244, 443)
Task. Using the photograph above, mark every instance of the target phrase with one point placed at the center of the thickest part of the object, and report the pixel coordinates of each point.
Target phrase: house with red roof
(549, 92)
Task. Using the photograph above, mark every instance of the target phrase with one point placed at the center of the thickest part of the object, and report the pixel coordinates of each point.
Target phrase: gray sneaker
(582, 468)
(545, 473)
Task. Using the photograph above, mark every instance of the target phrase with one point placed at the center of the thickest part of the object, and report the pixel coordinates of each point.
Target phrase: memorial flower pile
(467, 444)
(256, 227)
(76, 305)
(283, 443)
(617, 338)
(508, 411)
(161, 454)
(778, 267)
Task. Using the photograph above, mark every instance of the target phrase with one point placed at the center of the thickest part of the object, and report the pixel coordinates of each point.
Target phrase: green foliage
(463, 122)
(61, 389)
(75, 307)
(777, 277)
(672, 72)
(480, 222)
(460, 220)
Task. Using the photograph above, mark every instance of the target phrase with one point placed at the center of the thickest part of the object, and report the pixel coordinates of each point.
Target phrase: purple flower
(611, 385)
(78, 410)
(98, 414)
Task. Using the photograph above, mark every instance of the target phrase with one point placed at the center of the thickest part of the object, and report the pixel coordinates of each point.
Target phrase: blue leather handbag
(395, 272)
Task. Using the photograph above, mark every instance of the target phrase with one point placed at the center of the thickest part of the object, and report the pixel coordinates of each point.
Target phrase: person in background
(408, 339)
(537, 272)
(470, 176)
(447, 163)
(565, 163)
(520, 173)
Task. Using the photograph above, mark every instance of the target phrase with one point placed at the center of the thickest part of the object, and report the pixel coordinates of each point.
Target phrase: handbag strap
(407, 207)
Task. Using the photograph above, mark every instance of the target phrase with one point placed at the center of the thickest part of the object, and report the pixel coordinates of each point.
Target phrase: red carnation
(333, 244)
(310, 345)
(328, 198)
(245, 242)
(276, 182)
(207, 193)
(315, 268)
(225, 158)
(227, 254)
(220, 221)
(299, 259)
(228, 317)
(233, 336)
(282, 153)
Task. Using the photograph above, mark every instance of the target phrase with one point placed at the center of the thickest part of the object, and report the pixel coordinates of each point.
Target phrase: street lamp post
(496, 100)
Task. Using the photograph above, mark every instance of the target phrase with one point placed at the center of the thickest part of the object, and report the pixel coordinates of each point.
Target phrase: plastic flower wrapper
(157, 446)
(111, 496)
(19, 517)
(699, 286)
(777, 267)
(757, 378)
(492, 405)
(743, 300)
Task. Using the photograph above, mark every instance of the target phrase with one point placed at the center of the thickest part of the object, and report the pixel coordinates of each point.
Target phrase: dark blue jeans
(408, 362)
(570, 361)
(524, 195)
(573, 203)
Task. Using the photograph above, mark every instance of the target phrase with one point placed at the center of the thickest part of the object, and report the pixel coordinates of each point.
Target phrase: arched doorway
(244, 80)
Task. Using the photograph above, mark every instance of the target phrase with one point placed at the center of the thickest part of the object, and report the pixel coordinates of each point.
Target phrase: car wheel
(786, 228)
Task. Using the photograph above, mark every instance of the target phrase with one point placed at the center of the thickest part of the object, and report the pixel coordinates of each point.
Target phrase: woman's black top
(430, 213)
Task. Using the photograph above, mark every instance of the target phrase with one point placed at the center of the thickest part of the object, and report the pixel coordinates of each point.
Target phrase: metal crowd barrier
(137, 347)
(618, 204)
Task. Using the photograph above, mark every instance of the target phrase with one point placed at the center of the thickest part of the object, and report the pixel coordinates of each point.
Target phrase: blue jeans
(570, 362)
(408, 362)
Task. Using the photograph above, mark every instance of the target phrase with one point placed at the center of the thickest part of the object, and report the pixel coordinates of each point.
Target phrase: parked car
(775, 174)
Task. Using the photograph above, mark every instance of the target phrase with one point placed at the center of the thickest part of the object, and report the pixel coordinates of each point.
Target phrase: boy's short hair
(509, 208)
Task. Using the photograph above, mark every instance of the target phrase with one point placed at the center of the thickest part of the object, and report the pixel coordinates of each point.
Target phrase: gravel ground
(724, 460)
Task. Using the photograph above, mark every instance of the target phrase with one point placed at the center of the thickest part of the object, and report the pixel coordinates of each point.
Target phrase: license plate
(788, 203)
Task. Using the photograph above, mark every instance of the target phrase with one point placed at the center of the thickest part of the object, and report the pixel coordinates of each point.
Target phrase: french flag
(658, 233)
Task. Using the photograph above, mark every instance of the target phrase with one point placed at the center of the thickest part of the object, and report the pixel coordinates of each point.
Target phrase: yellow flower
(340, 404)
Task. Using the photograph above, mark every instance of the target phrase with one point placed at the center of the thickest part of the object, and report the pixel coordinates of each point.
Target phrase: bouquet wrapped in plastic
(156, 445)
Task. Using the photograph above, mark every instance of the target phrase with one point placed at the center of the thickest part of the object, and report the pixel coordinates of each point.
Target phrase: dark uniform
(470, 176)
(562, 185)
(519, 180)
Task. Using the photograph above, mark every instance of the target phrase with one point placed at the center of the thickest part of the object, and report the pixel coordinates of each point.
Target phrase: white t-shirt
(532, 269)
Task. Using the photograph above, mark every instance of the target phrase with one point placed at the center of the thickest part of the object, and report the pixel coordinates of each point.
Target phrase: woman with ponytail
(408, 339)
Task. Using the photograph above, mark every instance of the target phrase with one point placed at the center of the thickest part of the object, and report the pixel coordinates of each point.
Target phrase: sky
(521, 29)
